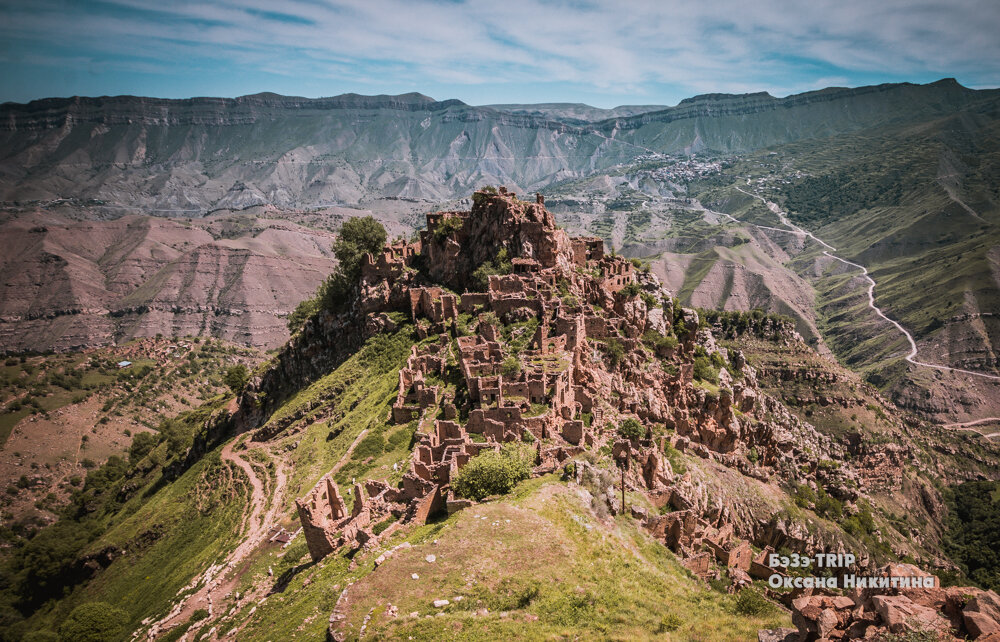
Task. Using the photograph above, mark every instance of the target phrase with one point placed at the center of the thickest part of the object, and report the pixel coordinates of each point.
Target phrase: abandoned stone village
(557, 346)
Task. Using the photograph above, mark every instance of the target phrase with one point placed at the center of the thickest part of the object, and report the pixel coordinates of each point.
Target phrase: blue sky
(601, 53)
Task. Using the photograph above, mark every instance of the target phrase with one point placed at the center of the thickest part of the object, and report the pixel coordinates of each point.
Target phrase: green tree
(142, 444)
(500, 265)
(237, 377)
(615, 352)
(304, 310)
(358, 236)
(704, 370)
(94, 622)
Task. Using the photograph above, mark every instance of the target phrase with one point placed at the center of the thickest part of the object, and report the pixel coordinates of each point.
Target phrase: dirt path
(912, 356)
(350, 451)
(219, 581)
(971, 425)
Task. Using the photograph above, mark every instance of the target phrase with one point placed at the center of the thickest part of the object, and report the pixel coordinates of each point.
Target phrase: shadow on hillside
(286, 578)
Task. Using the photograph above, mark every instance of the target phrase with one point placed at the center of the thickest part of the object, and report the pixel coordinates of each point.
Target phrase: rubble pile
(954, 613)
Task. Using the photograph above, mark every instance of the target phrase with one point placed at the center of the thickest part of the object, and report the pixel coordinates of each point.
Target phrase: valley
(777, 314)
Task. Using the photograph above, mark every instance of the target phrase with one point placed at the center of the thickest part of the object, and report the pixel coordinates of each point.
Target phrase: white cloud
(618, 47)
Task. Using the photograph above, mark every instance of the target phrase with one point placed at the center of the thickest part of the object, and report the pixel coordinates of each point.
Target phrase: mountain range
(191, 156)
(902, 176)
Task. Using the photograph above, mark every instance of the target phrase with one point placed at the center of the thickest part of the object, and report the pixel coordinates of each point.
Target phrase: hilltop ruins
(561, 346)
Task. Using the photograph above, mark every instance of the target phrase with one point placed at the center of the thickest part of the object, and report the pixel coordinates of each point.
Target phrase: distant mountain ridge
(151, 153)
(117, 109)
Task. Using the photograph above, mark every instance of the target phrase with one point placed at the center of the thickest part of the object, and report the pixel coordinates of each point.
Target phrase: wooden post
(623, 486)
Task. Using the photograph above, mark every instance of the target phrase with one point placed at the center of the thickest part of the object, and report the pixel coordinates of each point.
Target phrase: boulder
(902, 615)
(777, 635)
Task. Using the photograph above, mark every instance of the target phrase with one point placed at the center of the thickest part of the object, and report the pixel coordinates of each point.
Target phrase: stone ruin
(563, 390)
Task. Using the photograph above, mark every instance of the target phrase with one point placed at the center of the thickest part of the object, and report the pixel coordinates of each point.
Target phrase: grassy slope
(590, 574)
(196, 520)
(540, 561)
(196, 517)
(881, 201)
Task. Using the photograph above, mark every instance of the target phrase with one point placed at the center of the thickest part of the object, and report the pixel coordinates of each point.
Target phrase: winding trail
(971, 425)
(219, 581)
(911, 357)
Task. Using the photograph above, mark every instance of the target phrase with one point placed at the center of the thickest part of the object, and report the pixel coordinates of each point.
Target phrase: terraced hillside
(199, 534)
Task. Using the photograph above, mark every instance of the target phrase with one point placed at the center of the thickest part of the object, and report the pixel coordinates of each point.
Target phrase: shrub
(236, 378)
(447, 227)
(500, 265)
(704, 370)
(828, 506)
(615, 352)
(94, 622)
(804, 496)
(304, 310)
(494, 472)
(669, 622)
(650, 300)
(510, 368)
(630, 290)
(142, 443)
(752, 603)
(631, 429)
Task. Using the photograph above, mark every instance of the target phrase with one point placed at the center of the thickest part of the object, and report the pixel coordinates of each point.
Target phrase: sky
(483, 52)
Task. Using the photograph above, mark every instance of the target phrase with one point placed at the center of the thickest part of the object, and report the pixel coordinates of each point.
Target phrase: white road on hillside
(912, 356)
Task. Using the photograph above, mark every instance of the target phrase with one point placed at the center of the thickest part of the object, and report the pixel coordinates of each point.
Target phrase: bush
(631, 290)
(510, 368)
(236, 378)
(494, 472)
(615, 352)
(447, 227)
(142, 443)
(804, 496)
(500, 265)
(704, 370)
(750, 602)
(631, 429)
(669, 622)
(94, 622)
(303, 311)
(828, 506)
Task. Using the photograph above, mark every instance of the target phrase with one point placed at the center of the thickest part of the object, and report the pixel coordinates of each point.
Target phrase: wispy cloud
(641, 49)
